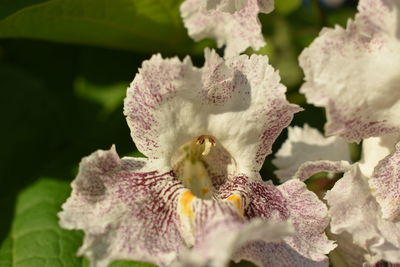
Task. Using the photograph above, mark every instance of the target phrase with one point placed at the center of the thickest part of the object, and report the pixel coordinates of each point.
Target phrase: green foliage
(146, 25)
(35, 238)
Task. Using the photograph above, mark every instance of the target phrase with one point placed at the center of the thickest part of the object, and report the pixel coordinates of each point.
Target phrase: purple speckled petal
(341, 72)
(385, 185)
(266, 201)
(129, 211)
(220, 237)
(307, 144)
(125, 211)
(310, 218)
(290, 201)
(232, 23)
(353, 209)
(240, 102)
(308, 169)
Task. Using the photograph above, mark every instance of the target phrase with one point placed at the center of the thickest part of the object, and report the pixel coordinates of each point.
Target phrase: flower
(354, 210)
(355, 72)
(364, 204)
(198, 198)
(232, 23)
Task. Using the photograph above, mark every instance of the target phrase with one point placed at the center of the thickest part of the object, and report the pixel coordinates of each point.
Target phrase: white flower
(198, 198)
(355, 72)
(364, 204)
(233, 23)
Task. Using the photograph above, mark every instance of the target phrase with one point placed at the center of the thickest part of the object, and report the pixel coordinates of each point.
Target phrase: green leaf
(6, 252)
(139, 25)
(36, 238)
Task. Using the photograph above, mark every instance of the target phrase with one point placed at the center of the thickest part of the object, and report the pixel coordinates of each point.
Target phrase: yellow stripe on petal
(185, 201)
(187, 217)
(237, 202)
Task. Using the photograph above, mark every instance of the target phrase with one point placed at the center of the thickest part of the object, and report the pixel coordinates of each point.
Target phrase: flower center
(190, 167)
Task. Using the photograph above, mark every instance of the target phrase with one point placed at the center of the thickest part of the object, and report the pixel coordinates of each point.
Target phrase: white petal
(125, 210)
(374, 149)
(310, 218)
(385, 185)
(354, 72)
(239, 102)
(222, 240)
(346, 254)
(307, 144)
(233, 23)
(276, 254)
(289, 202)
(308, 169)
(294, 202)
(354, 210)
(128, 210)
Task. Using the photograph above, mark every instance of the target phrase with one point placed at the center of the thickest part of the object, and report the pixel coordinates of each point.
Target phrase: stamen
(200, 140)
(208, 142)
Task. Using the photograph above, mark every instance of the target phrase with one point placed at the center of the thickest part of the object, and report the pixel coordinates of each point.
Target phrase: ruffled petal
(307, 144)
(275, 254)
(354, 210)
(354, 72)
(289, 202)
(266, 201)
(375, 149)
(221, 239)
(308, 169)
(385, 185)
(346, 254)
(310, 218)
(232, 23)
(129, 211)
(240, 102)
(125, 210)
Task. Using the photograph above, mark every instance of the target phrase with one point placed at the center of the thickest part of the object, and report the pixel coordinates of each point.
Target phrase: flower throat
(190, 167)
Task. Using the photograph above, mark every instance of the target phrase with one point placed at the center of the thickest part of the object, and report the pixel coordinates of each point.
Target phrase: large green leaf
(36, 238)
(6, 252)
(139, 25)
